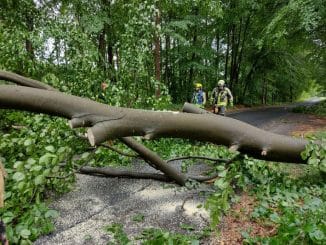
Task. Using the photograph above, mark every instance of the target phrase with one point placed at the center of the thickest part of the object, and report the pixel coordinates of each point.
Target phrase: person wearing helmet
(199, 96)
(222, 97)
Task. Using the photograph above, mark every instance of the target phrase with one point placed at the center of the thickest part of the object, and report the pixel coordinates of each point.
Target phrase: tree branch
(154, 160)
(24, 81)
(113, 172)
(119, 151)
(109, 122)
(199, 157)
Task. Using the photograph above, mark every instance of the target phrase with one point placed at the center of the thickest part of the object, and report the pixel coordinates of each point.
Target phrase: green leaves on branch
(315, 152)
(40, 148)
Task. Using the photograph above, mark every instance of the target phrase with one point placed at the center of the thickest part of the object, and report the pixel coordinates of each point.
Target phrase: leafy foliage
(119, 236)
(38, 157)
(295, 204)
(315, 152)
(268, 51)
(155, 236)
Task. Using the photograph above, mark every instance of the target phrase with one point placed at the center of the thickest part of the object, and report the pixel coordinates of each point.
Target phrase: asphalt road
(262, 116)
(97, 202)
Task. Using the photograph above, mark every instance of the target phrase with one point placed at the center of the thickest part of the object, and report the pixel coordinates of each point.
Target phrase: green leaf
(31, 161)
(195, 242)
(18, 164)
(39, 180)
(25, 233)
(46, 158)
(317, 235)
(50, 148)
(18, 176)
(7, 217)
(36, 168)
(221, 183)
(220, 168)
(28, 142)
(138, 218)
(187, 227)
(275, 218)
(85, 155)
(222, 174)
(51, 214)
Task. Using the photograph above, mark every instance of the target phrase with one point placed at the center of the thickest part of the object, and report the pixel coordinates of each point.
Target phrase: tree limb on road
(108, 122)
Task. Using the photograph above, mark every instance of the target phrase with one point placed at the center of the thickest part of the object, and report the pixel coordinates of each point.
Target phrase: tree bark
(113, 172)
(157, 51)
(152, 158)
(24, 81)
(102, 50)
(107, 122)
(3, 175)
(28, 42)
(273, 144)
(227, 55)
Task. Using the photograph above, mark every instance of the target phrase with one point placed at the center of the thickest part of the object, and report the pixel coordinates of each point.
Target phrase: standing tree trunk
(227, 55)
(28, 42)
(157, 52)
(102, 50)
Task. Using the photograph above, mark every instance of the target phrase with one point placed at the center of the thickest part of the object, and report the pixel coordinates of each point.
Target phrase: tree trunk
(227, 55)
(107, 122)
(157, 52)
(217, 58)
(3, 175)
(28, 42)
(101, 49)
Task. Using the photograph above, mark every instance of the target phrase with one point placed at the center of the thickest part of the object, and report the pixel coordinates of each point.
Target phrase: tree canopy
(267, 51)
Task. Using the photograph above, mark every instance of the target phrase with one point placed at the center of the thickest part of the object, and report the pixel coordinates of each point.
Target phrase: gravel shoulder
(97, 202)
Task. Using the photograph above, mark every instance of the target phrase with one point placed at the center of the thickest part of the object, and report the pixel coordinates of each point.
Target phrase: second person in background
(222, 97)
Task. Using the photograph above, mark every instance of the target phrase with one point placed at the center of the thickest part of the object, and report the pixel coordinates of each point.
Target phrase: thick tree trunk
(108, 122)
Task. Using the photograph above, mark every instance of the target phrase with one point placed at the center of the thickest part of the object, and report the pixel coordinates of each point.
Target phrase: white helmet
(221, 83)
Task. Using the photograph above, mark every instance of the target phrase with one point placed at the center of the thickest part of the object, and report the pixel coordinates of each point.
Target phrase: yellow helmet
(198, 85)
(221, 83)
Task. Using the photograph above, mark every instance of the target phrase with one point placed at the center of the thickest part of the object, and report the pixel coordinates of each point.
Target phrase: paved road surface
(262, 116)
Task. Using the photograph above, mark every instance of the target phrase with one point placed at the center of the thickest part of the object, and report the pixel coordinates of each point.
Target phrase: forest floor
(138, 204)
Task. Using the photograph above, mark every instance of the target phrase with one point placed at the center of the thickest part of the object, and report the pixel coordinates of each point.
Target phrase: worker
(199, 96)
(103, 95)
(222, 97)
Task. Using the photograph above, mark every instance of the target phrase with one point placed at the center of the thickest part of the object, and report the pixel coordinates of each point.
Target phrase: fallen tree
(106, 122)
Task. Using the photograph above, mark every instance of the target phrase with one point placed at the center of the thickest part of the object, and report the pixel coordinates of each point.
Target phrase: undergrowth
(293, 204)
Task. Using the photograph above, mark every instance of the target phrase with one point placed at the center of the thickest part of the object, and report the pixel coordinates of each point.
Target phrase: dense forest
(267, 51)
(150, 54)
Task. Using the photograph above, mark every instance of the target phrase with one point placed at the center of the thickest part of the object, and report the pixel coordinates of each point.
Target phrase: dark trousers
(220, 110)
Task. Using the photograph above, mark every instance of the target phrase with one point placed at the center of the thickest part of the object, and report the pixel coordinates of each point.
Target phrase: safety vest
(198, 97)
(222, 98)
